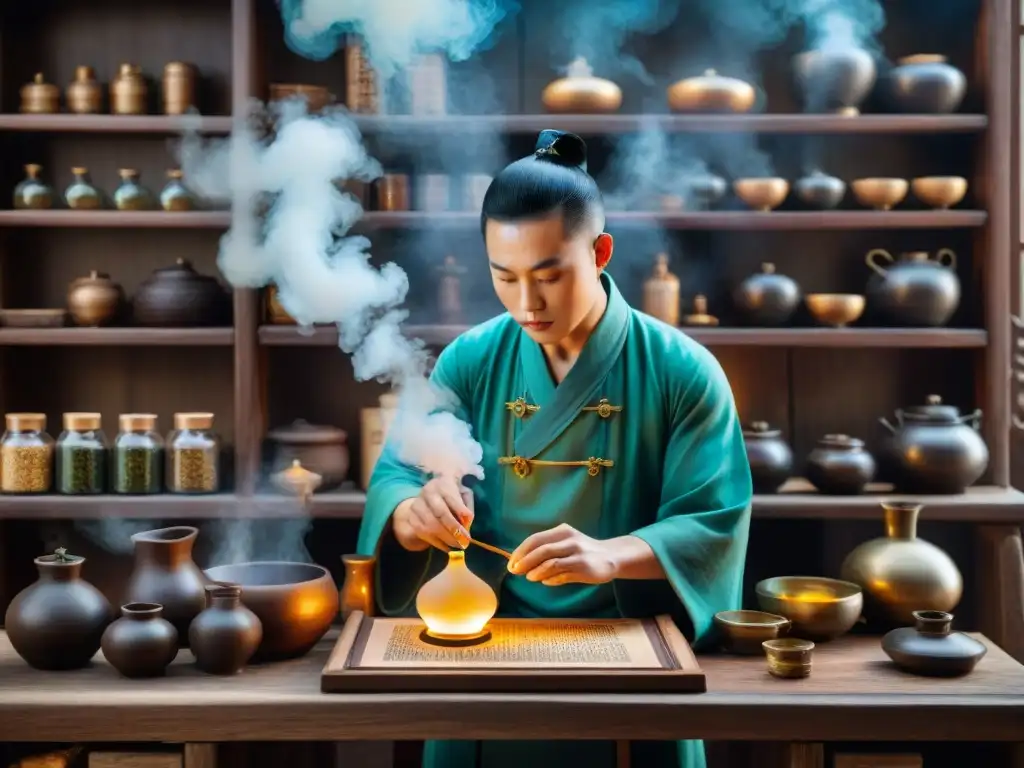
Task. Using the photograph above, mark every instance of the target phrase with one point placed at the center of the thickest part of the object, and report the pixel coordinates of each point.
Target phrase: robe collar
(561, 404)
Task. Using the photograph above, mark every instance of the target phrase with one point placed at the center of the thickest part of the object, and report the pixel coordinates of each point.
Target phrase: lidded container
(81, 455)
(26, 454)
(128, 91)
(193, 455)
(137, 460)
(179, 87)
(84, 94)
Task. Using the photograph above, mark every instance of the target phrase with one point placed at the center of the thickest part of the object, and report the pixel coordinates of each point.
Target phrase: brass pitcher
(128, 91)
(357, 589)
(661, 292)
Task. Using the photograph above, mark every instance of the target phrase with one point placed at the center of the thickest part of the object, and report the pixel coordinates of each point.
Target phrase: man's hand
(438, 517)
(563, 555)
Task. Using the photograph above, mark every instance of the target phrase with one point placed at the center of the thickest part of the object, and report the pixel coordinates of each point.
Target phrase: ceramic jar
(57, 623)
(180, 297)
(164, 573)
(32, 192)
(175, 196)
(914, 290)
(770, 457)
(835, 79)
(320, 449)
(711, 93)
(579, 92)
(142, 643)
(931, 649)
(934, 449)
(925, 84)
(130, 195)
(820, 191)
(84, 94)
(900, 573)
(840, 466)
(226, 634)
(767, 298)
(81, 193)
(128, 91)
(40, 97)
(94, 300)
(661, 292)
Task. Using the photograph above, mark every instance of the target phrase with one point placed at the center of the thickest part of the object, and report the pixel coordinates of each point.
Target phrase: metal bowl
(880, 193)
(743, 632)
(820, 608)
(835, 309)
(296, 602)
(939, 192)
(761, 194)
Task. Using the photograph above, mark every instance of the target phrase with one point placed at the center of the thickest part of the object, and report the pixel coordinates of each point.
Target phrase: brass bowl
(939, 191)
(743, 632)
(788, 657)
(712, 93)
(762, 194)
(820, 608)
(880, 193)
(835, 309)
(582, 94)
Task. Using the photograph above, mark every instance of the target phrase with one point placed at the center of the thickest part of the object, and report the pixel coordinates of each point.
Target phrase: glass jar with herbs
(193, 455)
(81, 455)
(137, 462)
(26, 454)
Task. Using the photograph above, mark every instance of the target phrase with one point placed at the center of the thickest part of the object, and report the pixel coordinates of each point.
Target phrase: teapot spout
(885, 423)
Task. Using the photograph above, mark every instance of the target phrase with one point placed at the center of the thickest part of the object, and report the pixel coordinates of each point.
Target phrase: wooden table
(854, 694)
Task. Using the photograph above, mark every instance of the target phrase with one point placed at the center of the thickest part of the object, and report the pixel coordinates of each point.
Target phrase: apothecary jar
(193, 455)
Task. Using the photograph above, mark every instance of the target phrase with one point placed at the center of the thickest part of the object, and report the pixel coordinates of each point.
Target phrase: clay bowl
(296, 602)
(939, 191)
(880, 193)
(742, 632)
(835, 309)
(761, 194)
(820, 609)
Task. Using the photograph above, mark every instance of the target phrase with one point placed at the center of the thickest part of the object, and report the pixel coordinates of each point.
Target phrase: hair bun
(561, 148)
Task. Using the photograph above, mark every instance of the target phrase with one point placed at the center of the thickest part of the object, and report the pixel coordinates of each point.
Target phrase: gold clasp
(604, 409)
(520, 408)
(523, 467)
(594, 465)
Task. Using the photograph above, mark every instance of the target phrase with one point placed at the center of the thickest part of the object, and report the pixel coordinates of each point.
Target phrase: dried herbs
(81, 455)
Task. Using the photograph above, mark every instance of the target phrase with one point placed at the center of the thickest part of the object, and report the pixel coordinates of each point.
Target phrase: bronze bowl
(835, 309)
(742, 632)
(296, 602)
(939, 191)
(880, 193)
(761, 194)
(820, 608)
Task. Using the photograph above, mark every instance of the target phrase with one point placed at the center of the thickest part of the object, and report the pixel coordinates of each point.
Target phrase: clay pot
(57, 623)
(94, 300)
(768, 298)
(165, 574)
(711, 93)
(180, 297)
(579, 92)
(770, 458)
(142, 643)
(820, 191)
(925, 84)
(900, 573)
(323, 450)
(834, 80)
(931, 649)
(226, 634)
(936, 450)
(840, 466)
(295, 602)
(914, 290)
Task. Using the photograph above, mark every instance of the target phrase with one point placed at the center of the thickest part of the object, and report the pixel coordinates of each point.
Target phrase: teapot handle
(870, 260)
(973, 420)
(946, 257)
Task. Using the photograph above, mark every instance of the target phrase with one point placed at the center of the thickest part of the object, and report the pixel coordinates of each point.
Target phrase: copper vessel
(276, 313)
(661, 292)
(579, 92)
(316, 96)
(880, 193)
(711, 93)
(84, 94)
(789, 658)
(94, 300)
(931, 648)
(392, 192)
(449, 292)
(128, 91)
(357, 589)
(761, 194)
(742, 632)
(699, 316)
(939, 192)
(40, 97)
(820, 608)
(901, 573)
(179, 87)
(835, 309)
(362, 92)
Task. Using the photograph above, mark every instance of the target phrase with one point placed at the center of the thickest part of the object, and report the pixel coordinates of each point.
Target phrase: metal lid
(758, 429)
(933, 412)
(301, 432)
(842, 442)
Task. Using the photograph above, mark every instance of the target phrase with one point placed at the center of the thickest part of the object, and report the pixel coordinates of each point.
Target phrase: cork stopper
(137, 422)
(768, 268)
(175, 173)
(25, 422)
(79, 170)
(193, 421)
(32, 170)
(82, 422)
(128, 173)
(700, 304)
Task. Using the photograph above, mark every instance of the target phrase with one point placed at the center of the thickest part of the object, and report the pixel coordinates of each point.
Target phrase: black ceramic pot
(770, 458)
(767, 298)
(840, 466)
(142, 643)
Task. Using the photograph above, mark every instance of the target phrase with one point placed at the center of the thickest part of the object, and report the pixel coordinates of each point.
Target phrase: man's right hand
(438, 517)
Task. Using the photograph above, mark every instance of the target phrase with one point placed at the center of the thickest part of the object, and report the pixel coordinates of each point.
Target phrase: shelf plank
(887, 338)
(713, 220)
(617, 124)
(117, 219)
(162, 124)
(983, 504)
(160, 337)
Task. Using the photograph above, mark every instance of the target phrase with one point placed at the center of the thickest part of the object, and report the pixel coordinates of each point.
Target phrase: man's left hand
(563, 555)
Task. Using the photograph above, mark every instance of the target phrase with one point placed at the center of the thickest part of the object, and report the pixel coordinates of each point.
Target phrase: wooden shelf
(797, 500)
(160, 124)
(892, 338)
(711, 220)
(605, 124)
(137, 337)
(118, 219)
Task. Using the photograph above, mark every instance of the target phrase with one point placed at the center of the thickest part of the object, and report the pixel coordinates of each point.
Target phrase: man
(614, 458)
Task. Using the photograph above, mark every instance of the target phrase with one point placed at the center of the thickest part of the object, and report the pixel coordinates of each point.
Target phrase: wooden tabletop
(853, 694)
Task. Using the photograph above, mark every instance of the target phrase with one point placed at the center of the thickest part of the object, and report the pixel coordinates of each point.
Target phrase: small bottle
(81, 455)
(81, 194)
(175, 196)
(137, 462)
(32, 192)
(130, 195)
(193, 455)
(661, 293)
(26, 454)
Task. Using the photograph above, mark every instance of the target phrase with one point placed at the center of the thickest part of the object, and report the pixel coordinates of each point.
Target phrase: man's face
(546, 282)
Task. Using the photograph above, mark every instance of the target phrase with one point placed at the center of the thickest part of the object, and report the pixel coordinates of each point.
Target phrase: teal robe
(663, 460)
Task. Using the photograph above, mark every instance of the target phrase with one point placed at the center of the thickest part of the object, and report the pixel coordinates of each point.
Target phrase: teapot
(914, 290)
(934, 449)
